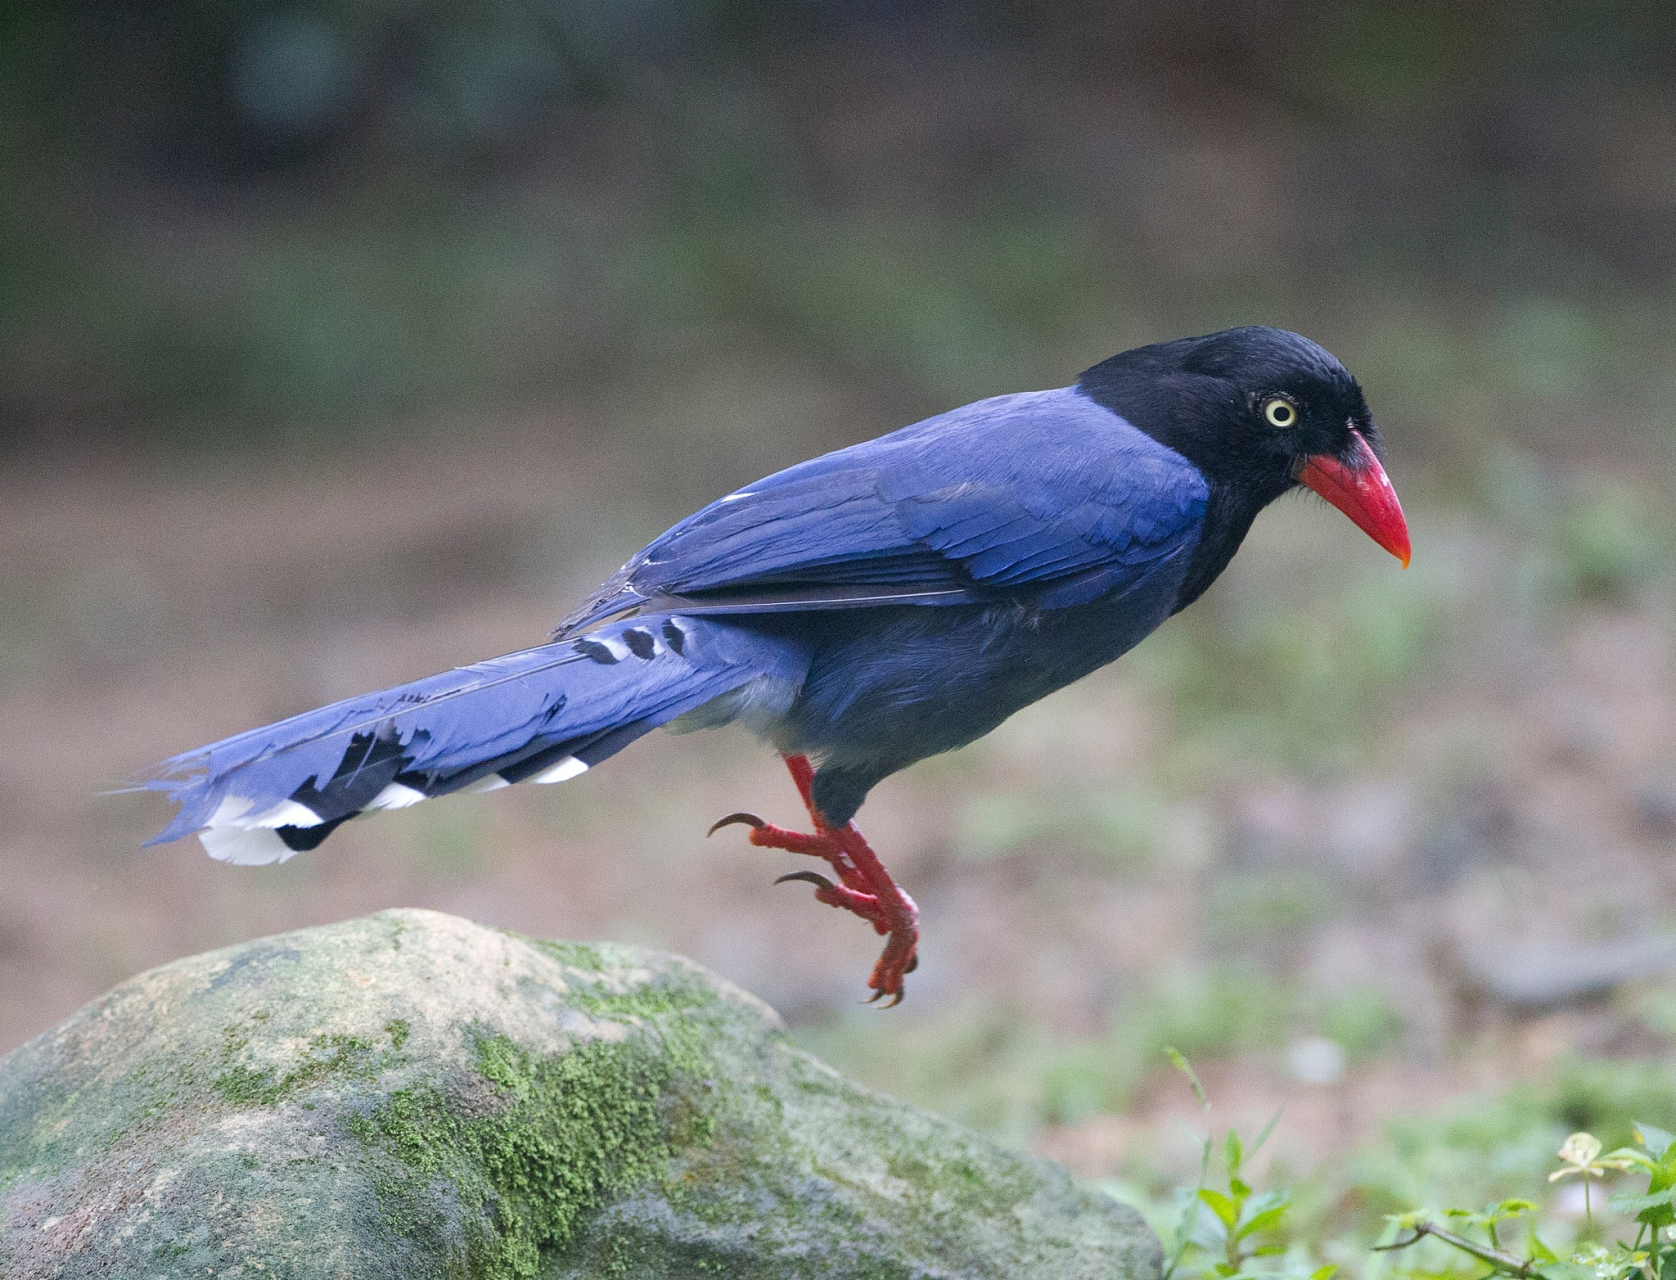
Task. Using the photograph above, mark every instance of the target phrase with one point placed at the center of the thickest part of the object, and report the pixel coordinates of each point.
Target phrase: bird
(859, 612)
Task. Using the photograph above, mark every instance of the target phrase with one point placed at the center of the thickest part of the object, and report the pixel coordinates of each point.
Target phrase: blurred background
(345, 341)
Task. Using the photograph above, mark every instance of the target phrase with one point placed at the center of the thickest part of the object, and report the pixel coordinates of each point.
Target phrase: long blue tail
(539, 715)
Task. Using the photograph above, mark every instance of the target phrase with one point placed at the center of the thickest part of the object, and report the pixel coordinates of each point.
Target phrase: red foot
(865, 887)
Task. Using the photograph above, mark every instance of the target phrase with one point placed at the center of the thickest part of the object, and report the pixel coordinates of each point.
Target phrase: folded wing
(1045, 495)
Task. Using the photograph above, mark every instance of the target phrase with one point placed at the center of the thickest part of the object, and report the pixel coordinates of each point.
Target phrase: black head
(1246, 406)
(1258, 411)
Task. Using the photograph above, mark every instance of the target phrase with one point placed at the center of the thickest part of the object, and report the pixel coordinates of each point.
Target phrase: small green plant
(1649, 1255)
(1224, 1233)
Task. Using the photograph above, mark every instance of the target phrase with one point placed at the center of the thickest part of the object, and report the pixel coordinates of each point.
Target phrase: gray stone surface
(414, 1095)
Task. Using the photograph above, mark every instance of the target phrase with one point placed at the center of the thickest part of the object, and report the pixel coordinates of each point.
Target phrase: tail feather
(539, 715)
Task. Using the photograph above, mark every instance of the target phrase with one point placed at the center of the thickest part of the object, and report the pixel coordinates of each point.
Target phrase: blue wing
(1044, 495)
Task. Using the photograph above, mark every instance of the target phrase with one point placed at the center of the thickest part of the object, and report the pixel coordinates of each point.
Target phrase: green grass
(1442, 1167)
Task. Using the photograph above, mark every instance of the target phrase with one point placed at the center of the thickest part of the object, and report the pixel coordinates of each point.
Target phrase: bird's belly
(889, 687)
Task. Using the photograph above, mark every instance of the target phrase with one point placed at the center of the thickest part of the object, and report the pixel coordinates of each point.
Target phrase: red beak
(1363, 492)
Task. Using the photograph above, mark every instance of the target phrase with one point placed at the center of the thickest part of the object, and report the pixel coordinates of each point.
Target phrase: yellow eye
(1280, 412)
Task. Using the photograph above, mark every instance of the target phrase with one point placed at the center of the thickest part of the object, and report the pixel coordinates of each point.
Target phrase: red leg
(867, 888)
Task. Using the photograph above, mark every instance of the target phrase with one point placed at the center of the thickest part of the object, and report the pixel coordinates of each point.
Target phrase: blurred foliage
(1277, 678)
(1125, 826)
(1609, 544)
(999, 1071)
(304, 218)
(1589, 536)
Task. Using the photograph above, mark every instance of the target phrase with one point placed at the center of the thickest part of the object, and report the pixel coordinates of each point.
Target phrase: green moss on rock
(414, 1095)
(565, 1134)
(327, 1055)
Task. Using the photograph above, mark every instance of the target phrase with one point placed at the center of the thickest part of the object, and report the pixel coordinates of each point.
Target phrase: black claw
(894, 1001)
(735, 819)
(808, 877)
(912, 964)
(873, 997)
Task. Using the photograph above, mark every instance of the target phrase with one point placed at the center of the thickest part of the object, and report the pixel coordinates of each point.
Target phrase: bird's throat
(1229, 513)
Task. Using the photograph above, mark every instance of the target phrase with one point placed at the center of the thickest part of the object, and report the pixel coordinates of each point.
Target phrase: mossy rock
(413, 1095)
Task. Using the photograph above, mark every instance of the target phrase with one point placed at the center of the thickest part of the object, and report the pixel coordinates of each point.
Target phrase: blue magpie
(860, 611)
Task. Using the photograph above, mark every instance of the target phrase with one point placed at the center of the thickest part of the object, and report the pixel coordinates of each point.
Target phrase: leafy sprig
(1225, 1231)
(1650, 1255)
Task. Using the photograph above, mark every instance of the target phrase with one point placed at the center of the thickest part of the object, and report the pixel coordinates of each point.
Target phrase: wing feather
(1045, 494)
